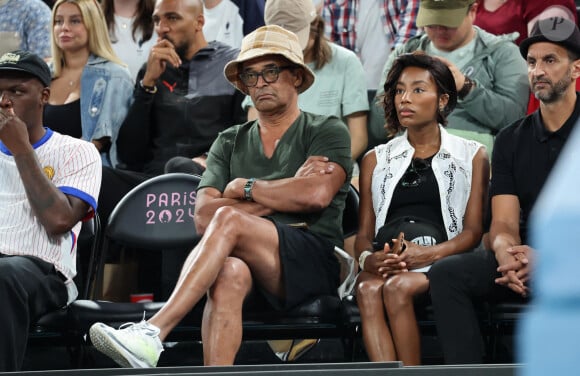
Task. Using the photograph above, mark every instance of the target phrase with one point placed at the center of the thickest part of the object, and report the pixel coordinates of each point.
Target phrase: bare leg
(376, 335)
(231, 232)
(398, 296)
(221, 330)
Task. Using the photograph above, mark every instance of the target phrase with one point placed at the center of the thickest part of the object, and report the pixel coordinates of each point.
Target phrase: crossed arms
(311, 189)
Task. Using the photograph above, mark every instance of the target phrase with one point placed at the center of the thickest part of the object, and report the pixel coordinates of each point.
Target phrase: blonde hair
(98, 34)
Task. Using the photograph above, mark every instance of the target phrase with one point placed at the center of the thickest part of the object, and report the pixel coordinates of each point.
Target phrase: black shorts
(309, 266)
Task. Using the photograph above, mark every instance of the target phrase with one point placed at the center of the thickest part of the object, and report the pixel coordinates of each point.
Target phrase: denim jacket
(106, 94)
(104, 106)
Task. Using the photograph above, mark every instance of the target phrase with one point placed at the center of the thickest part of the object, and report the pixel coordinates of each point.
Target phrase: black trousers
(29, 288)
(457, 283)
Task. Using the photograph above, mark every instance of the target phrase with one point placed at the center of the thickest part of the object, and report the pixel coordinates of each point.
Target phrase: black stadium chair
(155, 215)
(54, 328)
(158, 214)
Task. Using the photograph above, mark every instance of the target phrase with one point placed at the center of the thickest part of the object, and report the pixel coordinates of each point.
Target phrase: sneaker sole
(115, 350)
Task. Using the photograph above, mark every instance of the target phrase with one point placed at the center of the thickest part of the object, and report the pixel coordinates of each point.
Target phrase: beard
(555, 90)
(180, 50)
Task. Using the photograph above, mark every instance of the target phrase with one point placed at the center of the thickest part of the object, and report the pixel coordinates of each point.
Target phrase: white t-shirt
(132, 52)
(371, 42)
(224, 24)
(74, 167)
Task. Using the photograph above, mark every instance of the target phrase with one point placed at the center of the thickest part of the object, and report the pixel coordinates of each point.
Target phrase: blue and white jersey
(74, 167)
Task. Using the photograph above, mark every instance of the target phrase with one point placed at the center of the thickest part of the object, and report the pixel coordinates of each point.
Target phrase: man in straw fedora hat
(269, 207)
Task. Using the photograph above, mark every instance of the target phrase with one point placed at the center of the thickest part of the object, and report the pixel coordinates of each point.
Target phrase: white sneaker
(132, 345)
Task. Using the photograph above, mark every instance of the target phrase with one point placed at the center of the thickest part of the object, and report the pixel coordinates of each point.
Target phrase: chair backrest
(350, 213)
(349, 228)
(157, 214)
(87, 253)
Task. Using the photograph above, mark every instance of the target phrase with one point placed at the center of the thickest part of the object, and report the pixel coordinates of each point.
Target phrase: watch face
(248, 189)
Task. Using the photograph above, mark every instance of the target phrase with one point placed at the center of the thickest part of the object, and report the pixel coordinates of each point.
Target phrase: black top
(421, 201)
(523, 156)
(64, 118)
(193, 103)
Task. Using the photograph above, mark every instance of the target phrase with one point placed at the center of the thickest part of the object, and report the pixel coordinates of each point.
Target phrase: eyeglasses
(270, 75)
(413, 177)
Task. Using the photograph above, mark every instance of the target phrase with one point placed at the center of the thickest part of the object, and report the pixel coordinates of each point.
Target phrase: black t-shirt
(523, 156)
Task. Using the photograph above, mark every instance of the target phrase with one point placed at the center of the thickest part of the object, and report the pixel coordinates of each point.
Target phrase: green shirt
(238, 153)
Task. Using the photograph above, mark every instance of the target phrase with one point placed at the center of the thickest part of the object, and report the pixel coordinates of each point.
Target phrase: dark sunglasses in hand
(413, 177)
(269, 74)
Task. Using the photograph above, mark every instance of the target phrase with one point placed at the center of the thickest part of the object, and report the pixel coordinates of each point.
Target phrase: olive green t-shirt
(238, 153)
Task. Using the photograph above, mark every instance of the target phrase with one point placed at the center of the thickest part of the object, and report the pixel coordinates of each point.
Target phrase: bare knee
(397, 291)
(232, 284)
(368, 292)
(227, 217)
(226, 222)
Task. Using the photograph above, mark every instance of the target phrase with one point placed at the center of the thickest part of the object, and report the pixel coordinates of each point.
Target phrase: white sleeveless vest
(452, 166)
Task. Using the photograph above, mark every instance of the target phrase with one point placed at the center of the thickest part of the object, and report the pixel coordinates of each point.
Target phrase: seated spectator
(181, 102)
(372, 29)
(508, 16)
(25, 25)
(340, 88)
(49, 184)
(131, 30)
(489, 74)
(422, 199)
(91, 86)
(223, 22)
(524, 154)
(276, 186)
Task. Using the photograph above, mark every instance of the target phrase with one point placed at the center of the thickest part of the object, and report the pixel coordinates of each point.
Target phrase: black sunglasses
(413, 177)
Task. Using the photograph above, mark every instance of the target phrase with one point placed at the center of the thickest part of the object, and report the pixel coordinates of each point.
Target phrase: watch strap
(248, 189)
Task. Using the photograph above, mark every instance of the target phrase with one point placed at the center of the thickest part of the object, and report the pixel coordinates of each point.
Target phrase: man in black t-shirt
(523, 156)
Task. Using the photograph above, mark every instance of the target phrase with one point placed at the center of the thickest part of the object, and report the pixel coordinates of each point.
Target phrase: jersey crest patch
(49, 172)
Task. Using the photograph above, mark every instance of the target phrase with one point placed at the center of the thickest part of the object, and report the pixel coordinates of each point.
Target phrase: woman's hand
(416, 256)
(385, 263)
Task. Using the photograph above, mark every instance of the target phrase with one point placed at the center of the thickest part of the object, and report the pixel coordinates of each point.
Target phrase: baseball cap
(555, 30)
(264, 41)
(27, 62)
(293, 15)
(449, 13)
